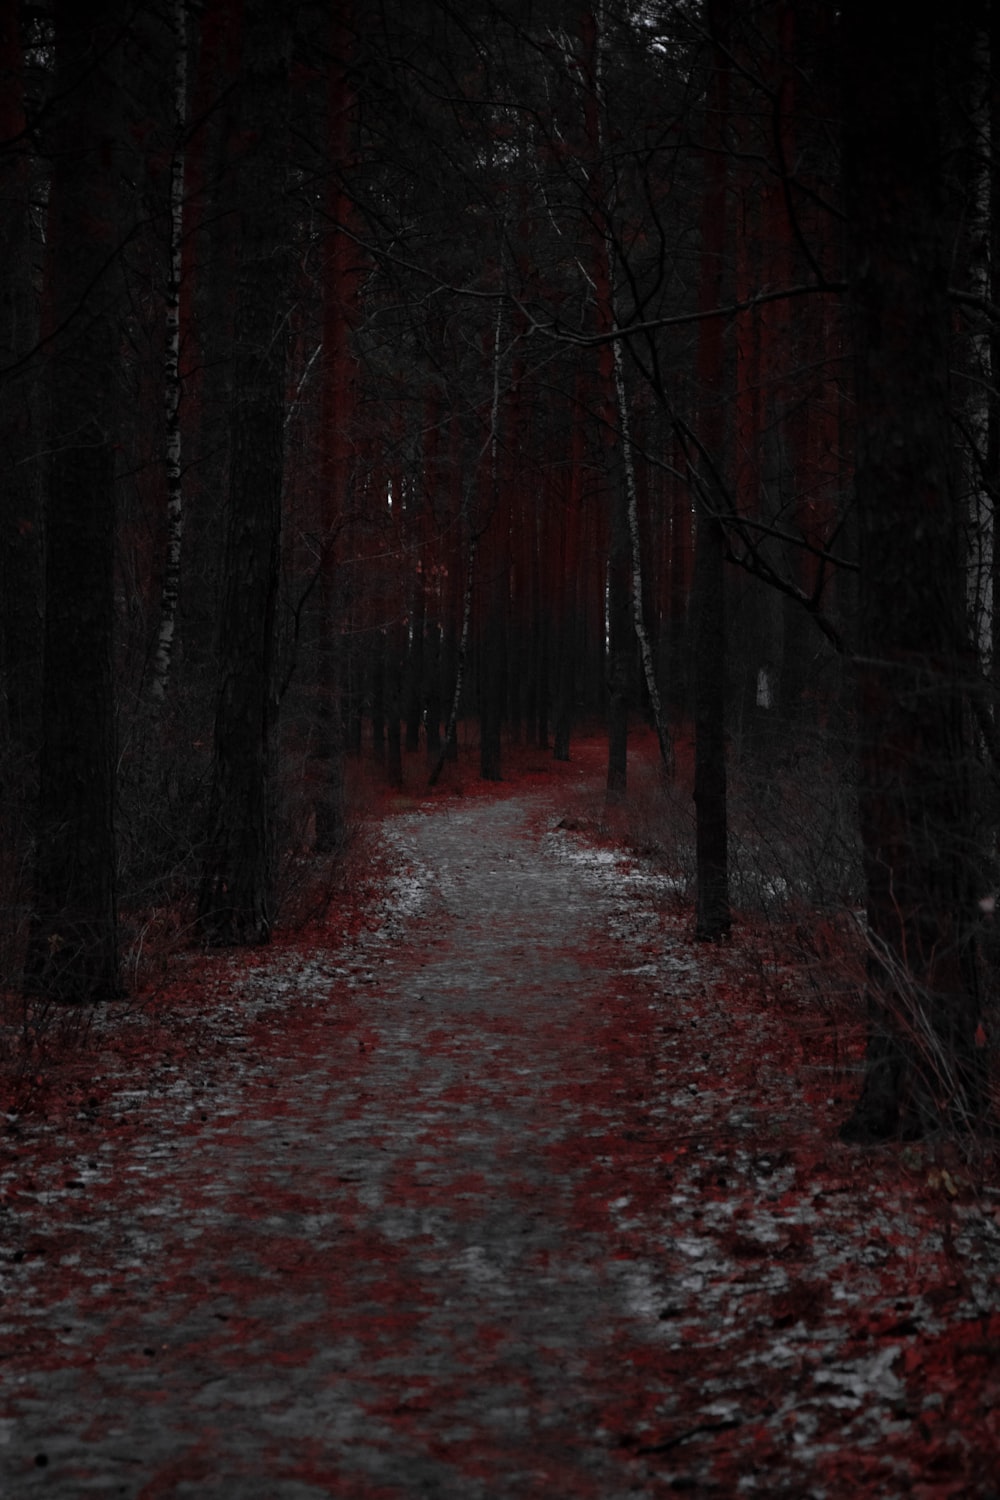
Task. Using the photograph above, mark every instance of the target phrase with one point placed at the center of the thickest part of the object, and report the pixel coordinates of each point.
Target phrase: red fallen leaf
(980, 1035)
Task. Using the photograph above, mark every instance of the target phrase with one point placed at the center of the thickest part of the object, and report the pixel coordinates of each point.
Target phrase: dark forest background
(383, 377)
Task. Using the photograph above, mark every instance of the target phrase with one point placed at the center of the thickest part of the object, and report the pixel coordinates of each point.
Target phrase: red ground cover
(446, 1197)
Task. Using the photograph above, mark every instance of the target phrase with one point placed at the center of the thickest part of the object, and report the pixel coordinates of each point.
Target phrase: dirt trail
(490, 1205)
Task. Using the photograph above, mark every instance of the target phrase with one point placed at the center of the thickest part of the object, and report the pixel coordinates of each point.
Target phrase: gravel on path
(489, 1205)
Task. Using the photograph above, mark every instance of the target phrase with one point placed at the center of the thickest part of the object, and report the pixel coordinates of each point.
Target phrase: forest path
(507, 1199)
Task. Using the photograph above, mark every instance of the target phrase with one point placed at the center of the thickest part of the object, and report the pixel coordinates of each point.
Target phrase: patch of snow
(863, 1378)
(695, 1249)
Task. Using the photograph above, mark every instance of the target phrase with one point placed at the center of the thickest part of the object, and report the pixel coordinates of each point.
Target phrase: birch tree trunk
(646, 653)
(625, 616)
(618, 613)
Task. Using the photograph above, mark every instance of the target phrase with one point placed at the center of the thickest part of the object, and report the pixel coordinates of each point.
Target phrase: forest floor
(498, 1185)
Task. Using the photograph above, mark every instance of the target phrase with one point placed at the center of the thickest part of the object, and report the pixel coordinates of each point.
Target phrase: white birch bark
(638, 617)
(646, 653)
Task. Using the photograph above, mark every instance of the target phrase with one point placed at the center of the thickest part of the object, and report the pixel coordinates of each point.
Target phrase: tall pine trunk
(334, 676)
(709, 602)
(493, 587)
(172, 379)
(20, 492)
(236, 897)
(209, 234)
(569, 584)
(73, 951)
(919, 840)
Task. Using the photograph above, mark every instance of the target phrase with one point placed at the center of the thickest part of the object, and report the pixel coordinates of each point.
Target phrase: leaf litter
(497, 1185)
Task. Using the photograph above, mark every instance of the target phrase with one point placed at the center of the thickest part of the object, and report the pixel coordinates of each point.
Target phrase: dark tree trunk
(377, 667)
(20, 490)
(679, 591)
(565, 687)
(993, 396)
(919, 841)
(333, 721)
(338, 699)
(236, 897)
(567, 631)
(460, 654)
(173, 384)
(415, 657)
(461, 582)
(352, 695)
(206, 332)
(73, 953)
(542, 647)
(492, 681)
(494, 592)
(394, 706)
(713, 918)
(434, 709)
(620, 637)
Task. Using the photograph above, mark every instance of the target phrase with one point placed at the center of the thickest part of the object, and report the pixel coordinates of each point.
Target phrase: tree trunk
(377, 668)
(236, 897)
(449, 746)
(618, 578)
(73, 951)
(646, 653)
(619, 633)
(173, 383)
(919, 840)
(492, 681)
(208, 278)
(569, 585)
(494, 588)
(993, 394)
(20, 495)
(338, 710)
(679, 593)
(416, 656)
(394, 705)
(433, 713)
(713, 917)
